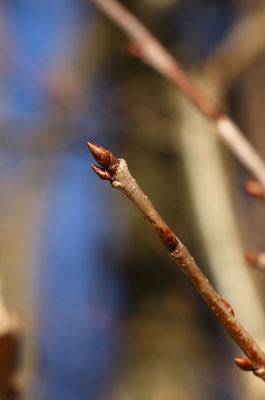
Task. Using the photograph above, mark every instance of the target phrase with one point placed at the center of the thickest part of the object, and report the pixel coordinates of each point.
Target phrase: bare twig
(153, 53)
(117, 172)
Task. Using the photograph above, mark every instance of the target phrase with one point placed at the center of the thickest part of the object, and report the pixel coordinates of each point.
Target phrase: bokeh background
(105, 313)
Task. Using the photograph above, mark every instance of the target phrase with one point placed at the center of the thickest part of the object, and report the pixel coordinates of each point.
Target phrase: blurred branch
(116, 171)
(242, 46)
(9, 352)
(153, 53)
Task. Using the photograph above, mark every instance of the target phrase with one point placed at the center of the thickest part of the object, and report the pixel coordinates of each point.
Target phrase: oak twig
(117, 172)
(153, 53)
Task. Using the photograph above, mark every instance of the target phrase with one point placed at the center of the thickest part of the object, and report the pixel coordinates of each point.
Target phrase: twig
(153, 53)
(117, 172)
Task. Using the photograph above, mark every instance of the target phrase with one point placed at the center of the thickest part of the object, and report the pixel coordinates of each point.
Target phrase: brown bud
(228, 306)
(168, 239)
(257, 260)
(250, 258)
(134, 49)
(255, 189)
(102, 173)
(103, 156)
(245, 364)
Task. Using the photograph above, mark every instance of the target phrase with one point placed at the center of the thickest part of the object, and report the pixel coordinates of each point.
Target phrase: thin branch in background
(255, 189)
(117, 172)
(154, 54)
(9, 352)
(238, 51)
(256, 260)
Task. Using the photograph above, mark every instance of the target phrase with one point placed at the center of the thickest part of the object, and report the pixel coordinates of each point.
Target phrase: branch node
(245, 364)
(228, 306)
(260, 372)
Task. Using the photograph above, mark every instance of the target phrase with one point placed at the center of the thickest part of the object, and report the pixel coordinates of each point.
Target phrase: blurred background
(105, 314)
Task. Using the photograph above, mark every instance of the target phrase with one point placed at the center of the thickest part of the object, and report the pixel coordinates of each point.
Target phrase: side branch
(154, 54)
(117, 172)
